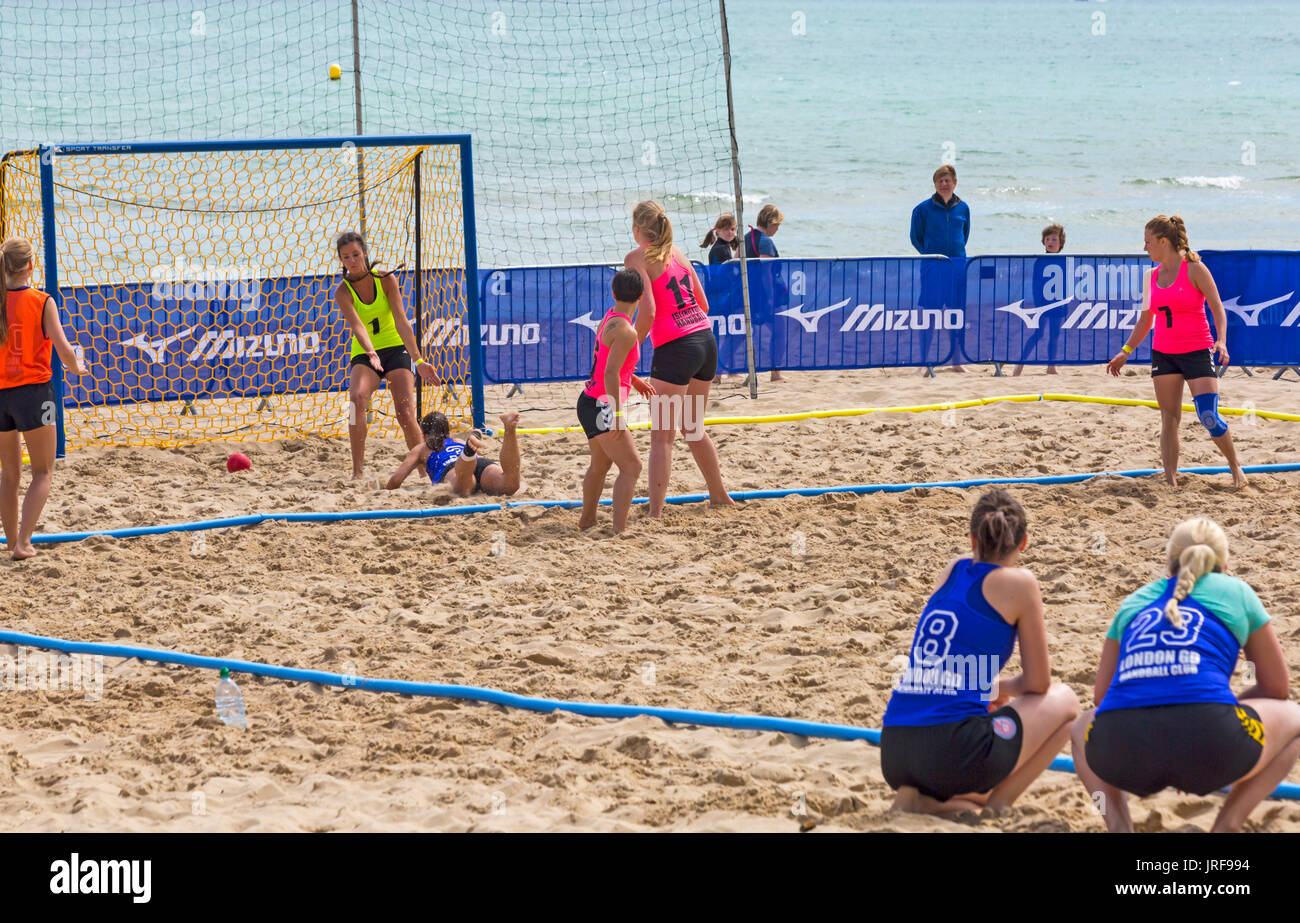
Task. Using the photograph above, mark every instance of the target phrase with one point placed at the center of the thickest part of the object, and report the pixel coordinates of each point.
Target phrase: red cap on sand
(238, 462)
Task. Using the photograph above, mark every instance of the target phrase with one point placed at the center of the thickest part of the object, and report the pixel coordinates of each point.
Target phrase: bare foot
(1239, 478)
(1051, 370)
(510, 419)
(1171, 480)
(776, 375)
(1016, 373)
(358, 475)
(585, 523)
(717, 379)
(24, 551)
(727, 502)
(958, 368)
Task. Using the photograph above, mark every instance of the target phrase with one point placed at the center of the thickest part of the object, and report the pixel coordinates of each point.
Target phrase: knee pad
(1207, 411)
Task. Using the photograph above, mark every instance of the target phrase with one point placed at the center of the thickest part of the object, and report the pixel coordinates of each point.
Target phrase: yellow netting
(199, 286)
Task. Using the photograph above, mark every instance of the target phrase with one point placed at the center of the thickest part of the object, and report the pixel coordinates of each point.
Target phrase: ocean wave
(1215, 182)
(704, 198)
(1007, 190)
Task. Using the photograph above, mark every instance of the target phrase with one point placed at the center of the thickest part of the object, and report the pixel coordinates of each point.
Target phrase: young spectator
(759, 245)
(721, 240)
(1053, 242)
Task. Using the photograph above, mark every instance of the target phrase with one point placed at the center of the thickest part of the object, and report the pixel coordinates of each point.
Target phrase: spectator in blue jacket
(941, 226)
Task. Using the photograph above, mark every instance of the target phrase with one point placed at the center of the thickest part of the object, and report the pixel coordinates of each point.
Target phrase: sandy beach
(796, 607)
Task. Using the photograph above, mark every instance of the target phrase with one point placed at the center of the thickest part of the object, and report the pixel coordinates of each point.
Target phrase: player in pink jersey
(674, 312)
(1182, 350)
(602, 402)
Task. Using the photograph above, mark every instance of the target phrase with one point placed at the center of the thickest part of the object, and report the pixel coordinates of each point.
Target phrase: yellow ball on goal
(335, 72)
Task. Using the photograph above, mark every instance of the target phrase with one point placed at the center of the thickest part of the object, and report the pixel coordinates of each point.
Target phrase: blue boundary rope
(430, 513)
(1285, 791)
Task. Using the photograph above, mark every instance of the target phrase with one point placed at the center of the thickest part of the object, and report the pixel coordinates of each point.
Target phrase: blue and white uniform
(939, 737)
(1169, 718)
(439, 463)
(960, 645)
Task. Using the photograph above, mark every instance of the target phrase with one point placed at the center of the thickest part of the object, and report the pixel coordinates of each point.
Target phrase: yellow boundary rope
(952, 405)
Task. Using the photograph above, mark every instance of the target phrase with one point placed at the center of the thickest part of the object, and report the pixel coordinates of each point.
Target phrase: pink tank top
(1180, 324)
(596, 383)
(677, 312)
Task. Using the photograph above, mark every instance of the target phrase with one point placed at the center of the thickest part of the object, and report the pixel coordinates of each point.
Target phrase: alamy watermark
(39, 671)
(185, 281)
(683, 412)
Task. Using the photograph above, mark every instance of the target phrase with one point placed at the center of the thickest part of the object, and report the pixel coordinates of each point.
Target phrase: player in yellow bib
(383, 345)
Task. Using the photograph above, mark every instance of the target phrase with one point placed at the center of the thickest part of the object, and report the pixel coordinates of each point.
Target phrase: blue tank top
(1163, 665)
(960, 646)
(439, 462)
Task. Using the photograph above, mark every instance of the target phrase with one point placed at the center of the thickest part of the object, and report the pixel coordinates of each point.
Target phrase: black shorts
(1199, 363)
(1198, 748)
(479, 467)
(392, 359)
(692, 356)
(27, 407)
(957, 758)
(587, 411)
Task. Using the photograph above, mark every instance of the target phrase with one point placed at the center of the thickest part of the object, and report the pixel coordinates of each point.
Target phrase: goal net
(197, 280)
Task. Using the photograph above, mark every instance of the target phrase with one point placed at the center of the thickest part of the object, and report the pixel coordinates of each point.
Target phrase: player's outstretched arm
(413, 460)
(54, 330)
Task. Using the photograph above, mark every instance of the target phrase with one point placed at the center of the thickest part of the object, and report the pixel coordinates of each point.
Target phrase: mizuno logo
(876, 317)
(809, 319)
(1031, 315)
(587, 321)
(226, 344)
(1249, 313)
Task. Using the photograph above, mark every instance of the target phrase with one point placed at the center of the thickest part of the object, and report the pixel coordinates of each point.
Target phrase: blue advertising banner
(167, 340)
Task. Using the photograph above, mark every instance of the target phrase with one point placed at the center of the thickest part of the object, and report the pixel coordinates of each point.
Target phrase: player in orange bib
(27, 405)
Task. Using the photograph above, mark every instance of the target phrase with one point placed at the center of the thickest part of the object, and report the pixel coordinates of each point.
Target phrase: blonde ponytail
(1196, 547)
(1172, 229)
(16, 254)
(657, 230)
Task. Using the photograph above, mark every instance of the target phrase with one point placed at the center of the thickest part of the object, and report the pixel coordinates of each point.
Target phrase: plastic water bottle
(230, 703)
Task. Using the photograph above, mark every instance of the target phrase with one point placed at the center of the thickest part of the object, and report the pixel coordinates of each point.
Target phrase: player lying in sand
(460, 463)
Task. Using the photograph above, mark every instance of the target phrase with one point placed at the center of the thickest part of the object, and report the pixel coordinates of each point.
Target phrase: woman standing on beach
(954, 739)
(674, 313)
(1182, 349)
(382, 345)
(1164, 678)
(29, 329)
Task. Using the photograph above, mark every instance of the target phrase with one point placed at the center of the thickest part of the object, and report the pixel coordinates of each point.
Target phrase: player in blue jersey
(955, 739)
(1167, 716)
(460, 463)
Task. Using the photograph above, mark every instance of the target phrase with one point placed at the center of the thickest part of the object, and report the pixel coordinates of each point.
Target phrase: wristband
(618, 413)
(1128, 350)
